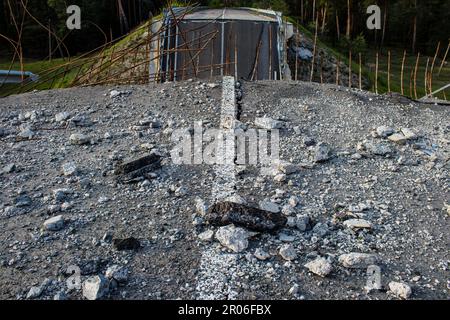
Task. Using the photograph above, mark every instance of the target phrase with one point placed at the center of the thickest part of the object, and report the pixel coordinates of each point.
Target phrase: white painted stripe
(217, 275)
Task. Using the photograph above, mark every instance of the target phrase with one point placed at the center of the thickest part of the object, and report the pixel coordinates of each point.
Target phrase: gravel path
(364, 187)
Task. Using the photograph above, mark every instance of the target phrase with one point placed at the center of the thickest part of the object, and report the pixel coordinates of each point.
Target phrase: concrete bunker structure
(203, 43)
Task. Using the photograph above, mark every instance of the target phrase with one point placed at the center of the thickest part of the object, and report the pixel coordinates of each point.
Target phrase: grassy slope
(56, 68)
(368, 70)
(43, 68)
(410, 61)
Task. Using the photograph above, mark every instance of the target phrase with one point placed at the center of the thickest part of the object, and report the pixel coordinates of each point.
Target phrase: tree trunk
(347, 33)
(337, 27)
(414, 35)
(384, 22)
(302, 12)
(123, 17)
(324, 19)
(414, 28)
(314, 10)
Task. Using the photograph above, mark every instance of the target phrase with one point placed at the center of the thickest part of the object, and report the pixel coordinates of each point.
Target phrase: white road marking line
(218, 270)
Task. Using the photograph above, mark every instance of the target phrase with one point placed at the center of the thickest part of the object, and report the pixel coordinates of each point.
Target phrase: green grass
(368, 68)
(34, 66)
(45, 69)
(395, 74)
(55, 68)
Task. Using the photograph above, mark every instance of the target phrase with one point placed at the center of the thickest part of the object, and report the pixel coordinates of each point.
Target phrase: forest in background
(415, 25)
(406, 55)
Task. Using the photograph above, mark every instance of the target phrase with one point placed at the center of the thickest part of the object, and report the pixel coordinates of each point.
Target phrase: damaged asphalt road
(357, 209)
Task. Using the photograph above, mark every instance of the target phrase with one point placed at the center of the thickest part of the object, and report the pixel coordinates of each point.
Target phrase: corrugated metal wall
(202, 49)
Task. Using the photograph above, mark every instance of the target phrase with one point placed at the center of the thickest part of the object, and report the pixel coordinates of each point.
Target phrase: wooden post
(376, 73)
(360, 71)
(411, 77)
(337, 70)
(389, 71)
(426, 76)
(432, 65)
(321, 69)
(350, 68)
(314, 51)
(415, 75)
(443, 60)
(401, 75)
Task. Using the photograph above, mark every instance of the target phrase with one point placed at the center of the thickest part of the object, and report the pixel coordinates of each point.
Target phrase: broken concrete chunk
(281, 177)
(34, 292)
(322, 153)
(408, 133)
(447, 208)
(373, 278)
(379, 149)
(206, 235)
(303, 223)
(260, 254)
(225, 213)
(9, 168)
(79, 139)
(60, 195)
(62, 116)
(236, 199)
(320, 266)
(357, 260)
(283, 237)
(23, 201)
(54, 224)
(287, 210)
(200, 206)
(267, 205)
(118, 273)
(26, 133)
(268, 123)
(287, 252)
(116, 93)
(321, 229)
(69, 169)
(293, 201)
(384, 131)
(400, 289)
(95, 288)
(234, 238)
(357, 224)
(284, 167)
(398, 138)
